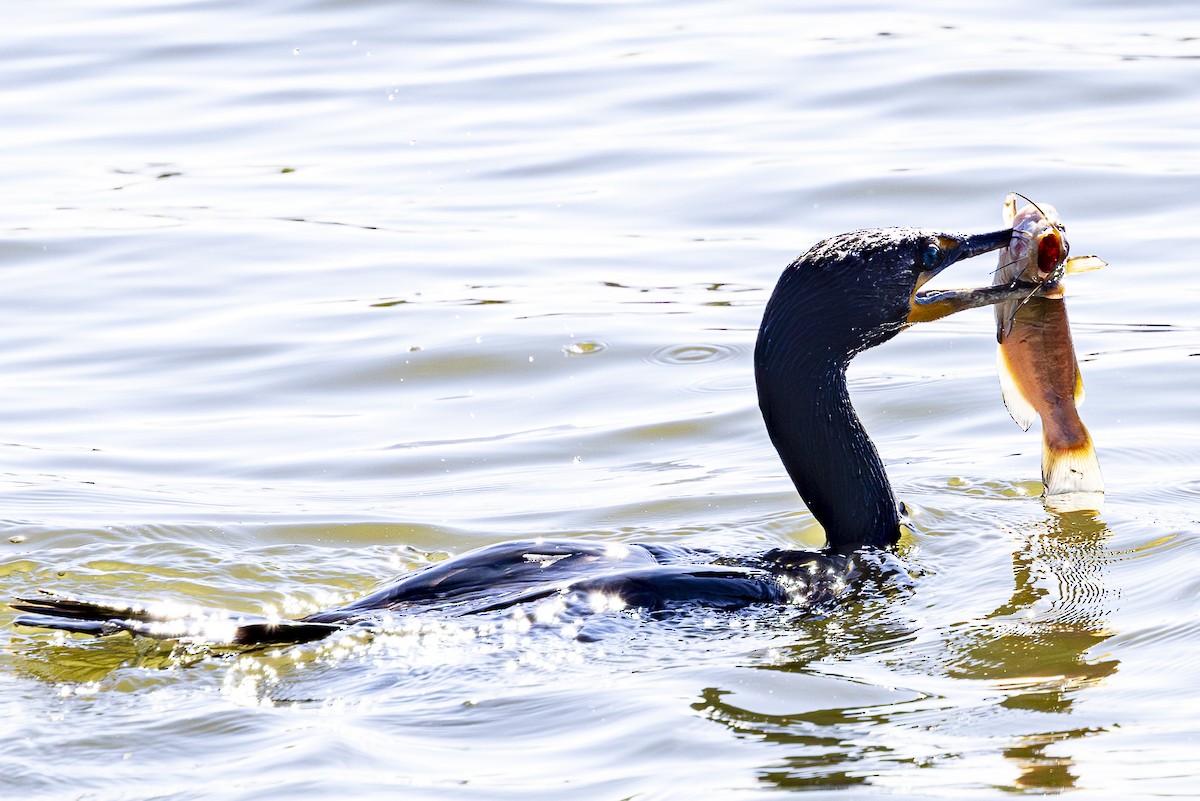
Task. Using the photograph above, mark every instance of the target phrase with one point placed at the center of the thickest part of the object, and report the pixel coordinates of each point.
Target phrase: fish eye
(932, 256)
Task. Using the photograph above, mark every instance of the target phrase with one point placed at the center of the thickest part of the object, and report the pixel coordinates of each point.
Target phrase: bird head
(856, 290)
(846, 294)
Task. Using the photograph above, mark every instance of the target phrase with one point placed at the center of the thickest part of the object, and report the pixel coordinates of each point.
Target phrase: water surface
(298, 297)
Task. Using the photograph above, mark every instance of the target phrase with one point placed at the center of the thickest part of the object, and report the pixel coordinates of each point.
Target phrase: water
(299, 296)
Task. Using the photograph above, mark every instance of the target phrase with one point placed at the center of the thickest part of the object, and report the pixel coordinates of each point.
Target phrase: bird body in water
(848, 293)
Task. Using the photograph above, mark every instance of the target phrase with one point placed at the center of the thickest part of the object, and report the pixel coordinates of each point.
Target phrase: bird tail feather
(162, 622)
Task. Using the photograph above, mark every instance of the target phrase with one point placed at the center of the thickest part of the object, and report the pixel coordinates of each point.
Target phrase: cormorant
(848, 293)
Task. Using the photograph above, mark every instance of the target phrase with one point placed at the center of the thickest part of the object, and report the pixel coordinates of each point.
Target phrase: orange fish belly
(1040, 371)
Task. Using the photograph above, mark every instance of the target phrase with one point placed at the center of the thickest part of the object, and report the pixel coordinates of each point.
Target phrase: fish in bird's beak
(1039, 373)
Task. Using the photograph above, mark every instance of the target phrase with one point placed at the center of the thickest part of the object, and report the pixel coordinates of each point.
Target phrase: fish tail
(1071, 473)
(101, 618)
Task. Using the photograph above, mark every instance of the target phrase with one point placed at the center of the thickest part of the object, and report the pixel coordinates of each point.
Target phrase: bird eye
(933, 255)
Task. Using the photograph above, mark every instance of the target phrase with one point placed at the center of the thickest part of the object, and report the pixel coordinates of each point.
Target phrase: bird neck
(825, 449)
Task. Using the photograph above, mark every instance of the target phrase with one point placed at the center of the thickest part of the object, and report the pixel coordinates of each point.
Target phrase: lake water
(298, 296)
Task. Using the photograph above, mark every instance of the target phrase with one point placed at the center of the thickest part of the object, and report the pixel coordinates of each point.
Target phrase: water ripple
(693, 354)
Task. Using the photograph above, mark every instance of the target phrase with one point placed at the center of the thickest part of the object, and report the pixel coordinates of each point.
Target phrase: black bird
(848, 293)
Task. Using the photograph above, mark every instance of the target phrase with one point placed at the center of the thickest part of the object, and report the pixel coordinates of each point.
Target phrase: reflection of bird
(847, 294)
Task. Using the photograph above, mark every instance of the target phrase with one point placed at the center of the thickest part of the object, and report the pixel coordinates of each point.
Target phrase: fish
(1038, 369)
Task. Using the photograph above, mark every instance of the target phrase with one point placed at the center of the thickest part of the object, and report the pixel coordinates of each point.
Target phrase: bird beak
(925, 306)
(956, 247)
(967, 246)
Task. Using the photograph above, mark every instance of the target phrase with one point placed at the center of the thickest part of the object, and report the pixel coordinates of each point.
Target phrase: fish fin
(1083, 264)
(1078, 385)
(1019, 407)
(1072, 470)
(1010, 209)
(1005, 317)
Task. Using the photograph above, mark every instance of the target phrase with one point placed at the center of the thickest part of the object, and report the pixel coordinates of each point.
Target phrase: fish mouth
(1052, 251)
